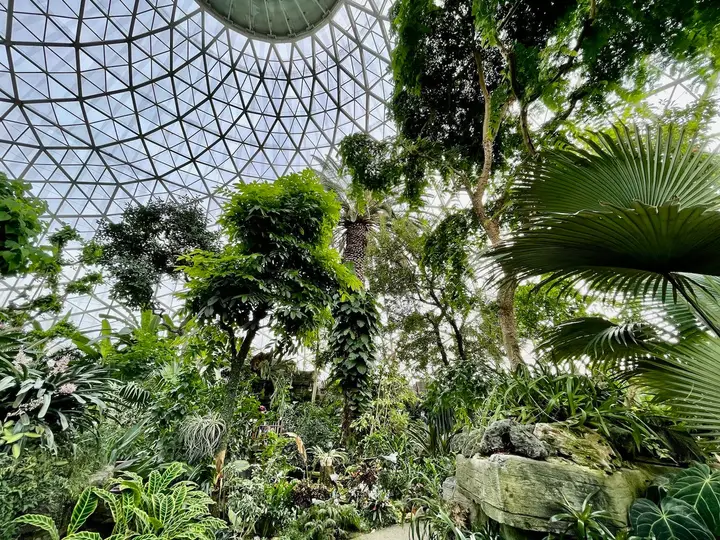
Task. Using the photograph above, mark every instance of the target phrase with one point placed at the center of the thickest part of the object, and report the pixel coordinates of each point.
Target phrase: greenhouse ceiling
(103, 103)
(108, 102)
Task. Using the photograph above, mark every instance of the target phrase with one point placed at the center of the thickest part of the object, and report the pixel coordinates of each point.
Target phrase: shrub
(159, 507)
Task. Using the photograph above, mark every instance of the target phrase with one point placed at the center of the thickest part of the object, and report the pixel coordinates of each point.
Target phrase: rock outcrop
(522, 494)
(509, 437)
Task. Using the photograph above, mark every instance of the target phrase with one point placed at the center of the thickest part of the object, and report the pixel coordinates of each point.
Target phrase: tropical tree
(467, 74)
(143, 247)
(422, 274)
(361, 211)
(351, 343)
(278, 270)
(632, 215)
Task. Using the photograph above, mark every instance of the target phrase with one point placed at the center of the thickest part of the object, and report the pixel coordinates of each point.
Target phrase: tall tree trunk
(356, 240)
(237, 361)
(508, 323)
(506, 308)
(491, 225)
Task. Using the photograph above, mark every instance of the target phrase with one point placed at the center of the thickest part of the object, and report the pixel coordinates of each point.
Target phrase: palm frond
(687, 377)
(632, 251)
(654, 168)
(598, 339)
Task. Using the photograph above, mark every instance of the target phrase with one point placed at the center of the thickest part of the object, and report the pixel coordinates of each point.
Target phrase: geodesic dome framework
(107, 102)
(110, 102)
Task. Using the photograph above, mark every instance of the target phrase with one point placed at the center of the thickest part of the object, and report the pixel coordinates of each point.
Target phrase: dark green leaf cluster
(352, 348)
(569, 54)
(380, 166)
(20, 226)
(142, 248)
(690, 508)
(446, 252)
(437, 92)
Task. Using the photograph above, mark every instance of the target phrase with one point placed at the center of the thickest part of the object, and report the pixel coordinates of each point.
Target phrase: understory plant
(688, 508)
(326, 521)
(159, 508)
(41, 395)
(631, 423)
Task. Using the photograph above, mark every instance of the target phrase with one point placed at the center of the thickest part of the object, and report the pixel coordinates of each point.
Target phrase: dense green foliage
(571, 279)
(351, 348)
(20, 226)
(153, 509)
(145, 245)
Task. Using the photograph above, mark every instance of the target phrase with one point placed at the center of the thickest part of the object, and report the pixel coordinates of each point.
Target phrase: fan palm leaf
(662, 322)
(655, 169)
(687, 377)
(598, 339)
(632, 216)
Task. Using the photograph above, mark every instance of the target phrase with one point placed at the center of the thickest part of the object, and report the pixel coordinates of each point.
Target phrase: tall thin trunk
(459, 340)
(491, 225)
(506, 309)
(237, 361)
(438, 340)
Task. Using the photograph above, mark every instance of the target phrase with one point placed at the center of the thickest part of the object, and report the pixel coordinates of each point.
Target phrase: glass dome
(107, 102)
(110, 102)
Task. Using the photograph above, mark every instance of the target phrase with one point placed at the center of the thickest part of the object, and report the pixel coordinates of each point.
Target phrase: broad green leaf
(84, 535)
(86, 505)
(142, 519)
(115, 509)
(166, 509)
(153, 483)
(173, 471)
(41, 522)
(673, 520)
(699, 486)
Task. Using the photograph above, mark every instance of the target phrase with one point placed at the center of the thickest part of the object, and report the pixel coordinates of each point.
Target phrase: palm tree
(634, 217)
(361, 211)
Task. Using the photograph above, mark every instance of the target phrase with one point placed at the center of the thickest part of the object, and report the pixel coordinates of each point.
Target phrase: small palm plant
(327, 460)
(632, 217)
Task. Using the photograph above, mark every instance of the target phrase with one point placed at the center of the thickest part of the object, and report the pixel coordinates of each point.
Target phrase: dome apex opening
(277, 20)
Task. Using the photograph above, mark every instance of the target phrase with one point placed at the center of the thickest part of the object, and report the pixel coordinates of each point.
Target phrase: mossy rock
(525, 493)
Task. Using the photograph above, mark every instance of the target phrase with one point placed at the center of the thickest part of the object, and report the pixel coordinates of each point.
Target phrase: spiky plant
(200, 436)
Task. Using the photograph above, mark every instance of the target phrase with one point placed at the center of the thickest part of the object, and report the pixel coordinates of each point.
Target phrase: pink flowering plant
(45, 394)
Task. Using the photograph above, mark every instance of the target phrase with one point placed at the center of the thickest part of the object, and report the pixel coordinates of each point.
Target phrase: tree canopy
(145, 245)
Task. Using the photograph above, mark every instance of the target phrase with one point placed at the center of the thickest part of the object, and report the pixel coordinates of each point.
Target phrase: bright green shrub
(20, 226)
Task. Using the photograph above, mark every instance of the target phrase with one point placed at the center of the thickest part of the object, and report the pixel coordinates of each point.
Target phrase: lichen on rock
(509, 437)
